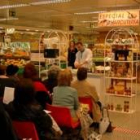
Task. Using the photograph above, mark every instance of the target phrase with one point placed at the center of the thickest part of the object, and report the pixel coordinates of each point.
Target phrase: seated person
(25, 108)
(64, 95)
(6, 129)
(42, 93)
(84, 88)
(51, 82)
(11, 71)
(5, 81)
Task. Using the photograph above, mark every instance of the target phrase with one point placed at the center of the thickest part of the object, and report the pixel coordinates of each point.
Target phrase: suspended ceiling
(61, 16)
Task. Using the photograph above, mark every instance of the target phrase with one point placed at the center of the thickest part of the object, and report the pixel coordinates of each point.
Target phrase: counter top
(74, 71)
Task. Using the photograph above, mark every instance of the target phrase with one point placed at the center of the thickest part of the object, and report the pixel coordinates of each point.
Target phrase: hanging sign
(10, 30)
(119, 18)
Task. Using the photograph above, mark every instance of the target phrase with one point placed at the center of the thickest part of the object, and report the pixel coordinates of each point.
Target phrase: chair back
(25, 130)
(62, 116)
(88, 101)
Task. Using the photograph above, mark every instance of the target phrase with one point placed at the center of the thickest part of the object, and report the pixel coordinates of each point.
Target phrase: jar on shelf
(125, 106)
(112, 106)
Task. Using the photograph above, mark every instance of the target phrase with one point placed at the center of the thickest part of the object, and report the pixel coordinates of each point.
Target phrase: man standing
(83, 57)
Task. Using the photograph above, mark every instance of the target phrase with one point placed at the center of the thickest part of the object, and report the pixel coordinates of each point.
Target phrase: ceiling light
(32, 4)
(86, 21)
(10, 18)
(49, 2)
(87, 13)
(13, 6)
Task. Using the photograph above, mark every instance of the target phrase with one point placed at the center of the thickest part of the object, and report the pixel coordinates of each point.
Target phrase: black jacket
(6, 129)
(34, 113)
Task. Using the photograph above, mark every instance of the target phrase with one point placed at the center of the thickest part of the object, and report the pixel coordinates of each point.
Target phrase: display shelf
(15, 57)
(121, 111)
(120, 44)
(16, 53)
(123, 61)
(55, 49)
(121, 78)
(118, 95)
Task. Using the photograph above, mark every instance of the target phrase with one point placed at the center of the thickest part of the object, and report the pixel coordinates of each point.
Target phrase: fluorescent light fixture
(14, 6)
(88, 13)
(86, 21)
(49, 2)
(32, 4)
(10, 18)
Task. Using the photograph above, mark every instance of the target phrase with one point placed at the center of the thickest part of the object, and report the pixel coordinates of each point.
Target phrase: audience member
(25, 108)
(6, 129)
(84, 88)
(72, 54)
(42, 93)
(64, 95)
(5, 81)
(11, 71)
(51, 82)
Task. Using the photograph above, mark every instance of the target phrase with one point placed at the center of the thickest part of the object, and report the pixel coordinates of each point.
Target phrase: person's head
(53, 72)
(64, 77)
(72, 44)
(80, 46)
(24, 92)
(11, 70)
(2, 70)
(90, 46)
(82, 73)
(30, 71)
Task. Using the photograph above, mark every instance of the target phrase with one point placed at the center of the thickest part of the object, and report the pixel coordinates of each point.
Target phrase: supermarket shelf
(122, 78)
(15, 57)
(121, 44)
(117, 111)
(119, 95)
(133, 61)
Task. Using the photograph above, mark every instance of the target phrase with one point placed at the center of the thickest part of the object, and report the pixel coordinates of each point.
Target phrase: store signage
(10, 30)
(119, 18)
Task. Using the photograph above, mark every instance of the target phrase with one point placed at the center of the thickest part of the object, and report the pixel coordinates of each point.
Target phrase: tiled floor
(127, 125)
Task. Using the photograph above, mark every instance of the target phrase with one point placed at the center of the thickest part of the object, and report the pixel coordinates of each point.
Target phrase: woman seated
(64, 95)
(25, 108)
(42, 93)
(84, 89)
(51, 81)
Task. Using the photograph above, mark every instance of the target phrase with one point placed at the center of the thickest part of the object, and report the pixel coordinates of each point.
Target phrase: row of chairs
(28, 130)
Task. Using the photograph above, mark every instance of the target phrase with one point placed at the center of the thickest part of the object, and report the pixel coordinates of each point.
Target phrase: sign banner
(119, 18)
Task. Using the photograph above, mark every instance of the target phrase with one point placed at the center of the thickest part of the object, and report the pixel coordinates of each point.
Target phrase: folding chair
(88, 101)
(25, 130)
(63, 118)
